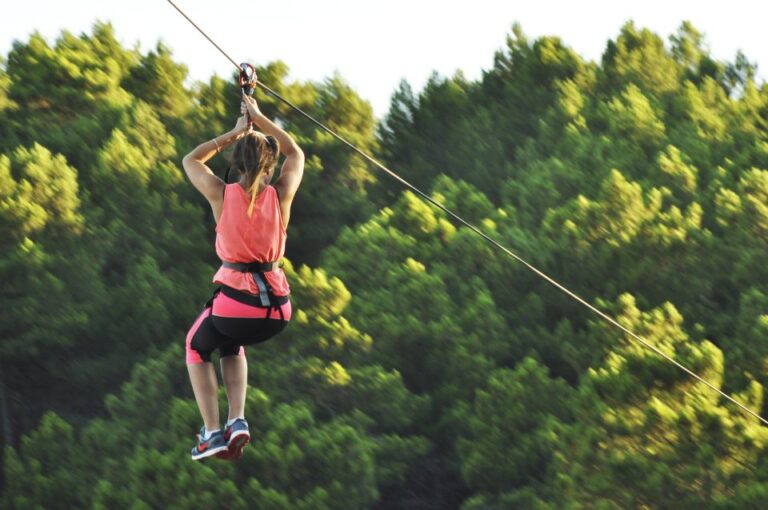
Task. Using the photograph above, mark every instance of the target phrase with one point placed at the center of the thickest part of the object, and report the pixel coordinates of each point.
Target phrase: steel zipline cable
(610, 320)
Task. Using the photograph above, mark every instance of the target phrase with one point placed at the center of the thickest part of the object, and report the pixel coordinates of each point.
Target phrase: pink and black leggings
(227, 323)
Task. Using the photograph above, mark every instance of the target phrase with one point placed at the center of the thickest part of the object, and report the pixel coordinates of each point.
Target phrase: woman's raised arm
(202, 177)
(293, 167)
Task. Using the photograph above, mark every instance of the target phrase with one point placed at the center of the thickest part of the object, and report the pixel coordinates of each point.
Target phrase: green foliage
(422, 368)
(640, 57)
(159, 81)
(50, 462)
(653, 420)
(514, 428)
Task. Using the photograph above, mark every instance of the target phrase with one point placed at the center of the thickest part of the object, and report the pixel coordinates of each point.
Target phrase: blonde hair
(255, 156)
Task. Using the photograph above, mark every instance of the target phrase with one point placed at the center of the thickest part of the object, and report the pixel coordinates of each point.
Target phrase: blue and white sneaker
(211, 446)
(237, 436)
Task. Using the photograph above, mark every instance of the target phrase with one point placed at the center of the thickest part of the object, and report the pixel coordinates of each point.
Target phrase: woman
(252, 303)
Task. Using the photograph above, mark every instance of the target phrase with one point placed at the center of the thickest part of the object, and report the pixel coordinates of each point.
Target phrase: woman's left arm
(206, 182)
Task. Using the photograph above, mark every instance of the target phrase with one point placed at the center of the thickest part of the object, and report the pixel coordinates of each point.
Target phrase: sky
(374, 45)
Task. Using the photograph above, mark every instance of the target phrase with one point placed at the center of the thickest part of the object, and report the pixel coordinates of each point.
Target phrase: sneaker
(211, 446)
(237, 436)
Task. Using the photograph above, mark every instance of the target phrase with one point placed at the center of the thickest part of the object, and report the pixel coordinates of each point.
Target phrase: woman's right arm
(293, 167)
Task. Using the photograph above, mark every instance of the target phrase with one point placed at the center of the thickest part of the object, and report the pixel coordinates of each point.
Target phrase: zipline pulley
(247, 78)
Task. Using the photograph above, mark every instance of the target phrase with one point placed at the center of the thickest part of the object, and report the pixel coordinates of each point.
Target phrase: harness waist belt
(244, 297)
(257, 270)
(251, 267)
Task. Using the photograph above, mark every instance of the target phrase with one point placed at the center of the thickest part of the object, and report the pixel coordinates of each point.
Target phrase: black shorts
(227, 324)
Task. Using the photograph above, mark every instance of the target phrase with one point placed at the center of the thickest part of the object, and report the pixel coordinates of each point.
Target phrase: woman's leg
(206, 389)
(246, 325)
(203, 338)
(234, 371)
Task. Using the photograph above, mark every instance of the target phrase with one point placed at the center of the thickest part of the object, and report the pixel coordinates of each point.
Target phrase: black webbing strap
(257, 269)
(251, 267)
(250, 299)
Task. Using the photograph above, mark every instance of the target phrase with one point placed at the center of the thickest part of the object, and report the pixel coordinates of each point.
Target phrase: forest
(423, 369)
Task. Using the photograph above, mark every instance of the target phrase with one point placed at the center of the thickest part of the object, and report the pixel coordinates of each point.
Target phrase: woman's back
(259, 237)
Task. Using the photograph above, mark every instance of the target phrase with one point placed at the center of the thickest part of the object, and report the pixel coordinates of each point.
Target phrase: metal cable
(491, 240)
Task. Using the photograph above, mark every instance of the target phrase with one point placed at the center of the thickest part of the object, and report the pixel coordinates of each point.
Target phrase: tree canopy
(422, 369)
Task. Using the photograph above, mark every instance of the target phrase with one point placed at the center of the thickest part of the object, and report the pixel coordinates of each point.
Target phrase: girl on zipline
(251, 305)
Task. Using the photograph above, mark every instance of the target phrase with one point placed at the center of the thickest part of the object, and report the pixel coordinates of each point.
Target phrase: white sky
(374, 45)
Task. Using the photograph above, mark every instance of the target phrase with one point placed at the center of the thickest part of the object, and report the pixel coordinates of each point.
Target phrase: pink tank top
(260, 238)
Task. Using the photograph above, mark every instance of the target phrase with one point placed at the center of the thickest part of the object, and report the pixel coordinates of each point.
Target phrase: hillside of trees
(423, 369)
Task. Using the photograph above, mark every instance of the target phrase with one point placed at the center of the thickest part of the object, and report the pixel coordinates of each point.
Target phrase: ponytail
(255, 156)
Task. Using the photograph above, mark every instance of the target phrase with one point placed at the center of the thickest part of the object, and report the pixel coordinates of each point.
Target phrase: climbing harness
(257, 269)
(607, 318)
(265, 298)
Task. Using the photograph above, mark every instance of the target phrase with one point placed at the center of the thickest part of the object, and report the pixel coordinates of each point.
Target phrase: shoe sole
(236, 445)
(210, 452)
